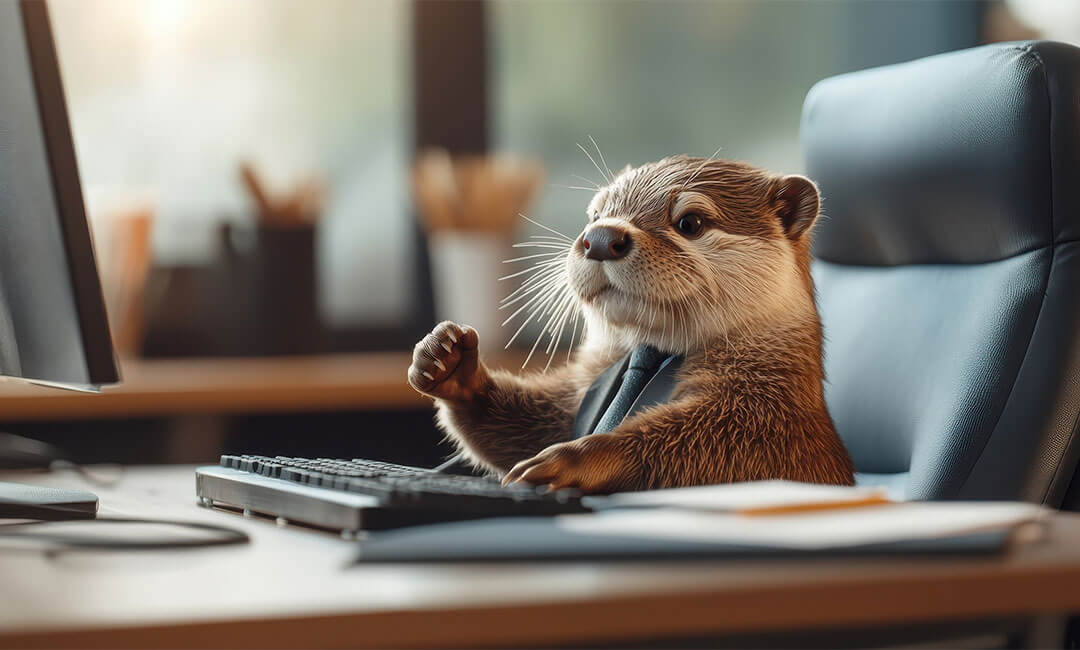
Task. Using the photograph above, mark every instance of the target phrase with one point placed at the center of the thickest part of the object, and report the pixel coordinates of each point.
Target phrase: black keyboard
(359, 494)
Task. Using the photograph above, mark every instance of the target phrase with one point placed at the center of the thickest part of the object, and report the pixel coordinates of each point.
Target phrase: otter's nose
(605, 243)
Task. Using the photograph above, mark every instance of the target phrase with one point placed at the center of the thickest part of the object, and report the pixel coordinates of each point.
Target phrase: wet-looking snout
(605, 243)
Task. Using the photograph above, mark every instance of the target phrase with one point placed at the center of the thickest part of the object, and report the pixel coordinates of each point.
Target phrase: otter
(703, 258)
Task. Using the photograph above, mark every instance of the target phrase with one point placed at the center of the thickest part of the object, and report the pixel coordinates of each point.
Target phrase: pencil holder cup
(465, 271)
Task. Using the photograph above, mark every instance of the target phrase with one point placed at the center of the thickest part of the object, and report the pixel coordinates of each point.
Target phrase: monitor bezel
(100, 356)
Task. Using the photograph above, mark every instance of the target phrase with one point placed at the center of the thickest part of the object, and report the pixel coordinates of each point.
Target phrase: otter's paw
(446, 364)
(596, 464)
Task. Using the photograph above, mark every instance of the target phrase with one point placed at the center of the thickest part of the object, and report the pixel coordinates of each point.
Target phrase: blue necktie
(645, 360)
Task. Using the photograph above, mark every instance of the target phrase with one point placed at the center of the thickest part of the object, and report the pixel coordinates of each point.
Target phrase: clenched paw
(446, 364)
(601, 463)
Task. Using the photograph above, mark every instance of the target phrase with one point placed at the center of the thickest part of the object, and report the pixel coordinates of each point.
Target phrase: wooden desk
(165, 387)
(296, 588)
(222, 386)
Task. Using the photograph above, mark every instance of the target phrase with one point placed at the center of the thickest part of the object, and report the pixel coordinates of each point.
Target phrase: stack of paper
(793, 515)
(756, 496)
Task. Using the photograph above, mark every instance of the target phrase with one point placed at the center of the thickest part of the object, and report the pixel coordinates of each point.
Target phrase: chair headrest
(966, 157)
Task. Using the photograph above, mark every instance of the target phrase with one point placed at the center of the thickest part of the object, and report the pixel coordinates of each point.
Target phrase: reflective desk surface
(293, 587)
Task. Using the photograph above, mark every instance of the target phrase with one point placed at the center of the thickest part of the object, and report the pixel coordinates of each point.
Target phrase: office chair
(948, 269)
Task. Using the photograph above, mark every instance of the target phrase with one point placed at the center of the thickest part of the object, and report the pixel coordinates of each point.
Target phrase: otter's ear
(795, 199)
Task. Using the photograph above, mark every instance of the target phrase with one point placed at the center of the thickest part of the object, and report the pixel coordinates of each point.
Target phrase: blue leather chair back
(948, 269)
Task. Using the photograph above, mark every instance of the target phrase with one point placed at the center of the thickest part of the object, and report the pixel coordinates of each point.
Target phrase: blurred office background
(330, 101)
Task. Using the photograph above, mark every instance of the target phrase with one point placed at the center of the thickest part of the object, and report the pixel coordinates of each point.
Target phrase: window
(167, 97)
(649, 79)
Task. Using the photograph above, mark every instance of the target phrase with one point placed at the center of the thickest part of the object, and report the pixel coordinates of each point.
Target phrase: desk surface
(230, 385)
(163, 387)
(293, 587)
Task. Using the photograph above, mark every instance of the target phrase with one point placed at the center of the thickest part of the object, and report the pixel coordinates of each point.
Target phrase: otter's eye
(689, 224)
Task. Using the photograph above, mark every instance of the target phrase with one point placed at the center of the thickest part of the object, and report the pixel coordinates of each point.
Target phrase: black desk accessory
(18, 501)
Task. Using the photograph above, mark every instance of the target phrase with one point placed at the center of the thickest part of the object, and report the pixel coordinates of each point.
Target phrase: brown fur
(736, 301)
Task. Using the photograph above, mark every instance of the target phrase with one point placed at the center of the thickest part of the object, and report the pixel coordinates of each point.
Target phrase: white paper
(741, 496)
(810, 530)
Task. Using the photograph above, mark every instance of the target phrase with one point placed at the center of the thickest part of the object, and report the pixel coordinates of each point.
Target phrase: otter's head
(685, 251)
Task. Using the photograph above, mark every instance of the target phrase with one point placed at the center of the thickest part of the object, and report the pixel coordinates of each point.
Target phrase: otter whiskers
(534, 290)
(544, 294)
(608, 176)
(595, 185)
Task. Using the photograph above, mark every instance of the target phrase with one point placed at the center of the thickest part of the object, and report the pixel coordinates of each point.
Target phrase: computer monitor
(53, 327)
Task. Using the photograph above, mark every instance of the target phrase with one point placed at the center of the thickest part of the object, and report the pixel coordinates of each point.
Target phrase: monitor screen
(53, 327)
